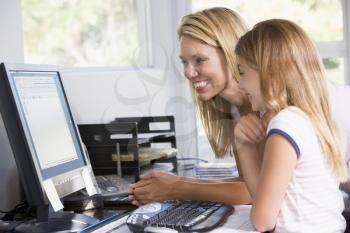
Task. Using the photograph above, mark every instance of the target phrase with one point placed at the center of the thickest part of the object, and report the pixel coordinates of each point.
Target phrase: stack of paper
(216, 170)
(164, 167)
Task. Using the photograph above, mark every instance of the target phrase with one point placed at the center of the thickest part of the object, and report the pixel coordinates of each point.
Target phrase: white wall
(11, 50)
(165, 19)
(98, 96)
(11, 39)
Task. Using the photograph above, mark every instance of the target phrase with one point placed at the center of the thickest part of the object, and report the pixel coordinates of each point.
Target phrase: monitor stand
(56, 222)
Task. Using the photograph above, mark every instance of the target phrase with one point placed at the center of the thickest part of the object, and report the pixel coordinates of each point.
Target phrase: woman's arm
(231, 193)
(160, 186)
(223, 180)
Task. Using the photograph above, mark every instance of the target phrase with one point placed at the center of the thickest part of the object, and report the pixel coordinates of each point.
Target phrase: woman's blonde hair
(291, 74)
(221, 28)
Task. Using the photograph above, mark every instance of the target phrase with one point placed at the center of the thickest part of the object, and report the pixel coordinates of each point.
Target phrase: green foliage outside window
(80, 32)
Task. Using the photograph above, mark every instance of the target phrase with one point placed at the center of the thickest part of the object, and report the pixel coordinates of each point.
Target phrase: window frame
(339, 49)
(346, 39)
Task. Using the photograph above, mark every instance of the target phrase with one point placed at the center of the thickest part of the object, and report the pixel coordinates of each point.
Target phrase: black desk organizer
(101, 147)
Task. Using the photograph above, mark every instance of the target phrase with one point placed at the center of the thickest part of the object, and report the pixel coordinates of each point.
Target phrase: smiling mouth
(199, 85)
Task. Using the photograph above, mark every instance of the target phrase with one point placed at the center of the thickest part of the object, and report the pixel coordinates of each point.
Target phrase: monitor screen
(44, 114)
(47, 120)
(41, 130)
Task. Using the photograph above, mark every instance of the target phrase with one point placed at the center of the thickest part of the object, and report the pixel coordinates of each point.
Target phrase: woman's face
(204, 66)
(249, 82)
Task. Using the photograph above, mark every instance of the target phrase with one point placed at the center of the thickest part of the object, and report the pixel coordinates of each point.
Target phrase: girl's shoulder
(291, 114)
(291, 119)
(293, 124)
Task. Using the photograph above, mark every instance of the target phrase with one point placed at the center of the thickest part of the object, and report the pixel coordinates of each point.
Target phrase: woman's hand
(249, 130)
(152, 187)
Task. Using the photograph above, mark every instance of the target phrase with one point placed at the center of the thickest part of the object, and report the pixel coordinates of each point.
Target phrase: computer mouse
(111, 189)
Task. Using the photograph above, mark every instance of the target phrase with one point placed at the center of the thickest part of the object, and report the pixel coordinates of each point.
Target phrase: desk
(238, 222)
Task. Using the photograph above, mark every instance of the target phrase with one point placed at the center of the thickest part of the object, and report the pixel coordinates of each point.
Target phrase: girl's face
(204, 66)
(249, 82)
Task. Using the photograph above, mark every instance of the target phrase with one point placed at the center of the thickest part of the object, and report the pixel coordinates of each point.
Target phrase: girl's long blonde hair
(291, 74)
(221, 28)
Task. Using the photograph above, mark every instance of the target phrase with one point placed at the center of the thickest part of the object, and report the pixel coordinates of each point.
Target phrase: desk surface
(238, 222)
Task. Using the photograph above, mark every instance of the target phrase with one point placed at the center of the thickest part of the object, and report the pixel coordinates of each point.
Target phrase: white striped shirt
(313, 202)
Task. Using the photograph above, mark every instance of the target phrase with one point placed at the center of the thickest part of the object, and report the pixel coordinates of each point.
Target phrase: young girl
(295, 183)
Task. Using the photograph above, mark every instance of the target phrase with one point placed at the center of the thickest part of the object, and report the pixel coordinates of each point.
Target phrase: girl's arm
(269, 188)
(248, 134)
(250, 164)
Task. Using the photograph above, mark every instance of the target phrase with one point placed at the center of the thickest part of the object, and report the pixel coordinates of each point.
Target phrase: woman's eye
(200, 60)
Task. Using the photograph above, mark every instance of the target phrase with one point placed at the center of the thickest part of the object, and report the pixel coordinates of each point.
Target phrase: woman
(207, 41)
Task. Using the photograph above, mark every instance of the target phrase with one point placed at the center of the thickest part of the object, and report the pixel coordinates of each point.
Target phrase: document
(115, 226)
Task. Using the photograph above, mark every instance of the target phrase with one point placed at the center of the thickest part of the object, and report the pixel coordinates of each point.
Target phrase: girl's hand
(249, 130)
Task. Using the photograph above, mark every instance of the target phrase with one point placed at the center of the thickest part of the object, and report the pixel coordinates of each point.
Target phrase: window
(81, 32)
(335, 69)
(309, 14)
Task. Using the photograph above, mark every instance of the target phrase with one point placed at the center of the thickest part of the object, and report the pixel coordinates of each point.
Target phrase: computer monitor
(41, 131)
(10, 194)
